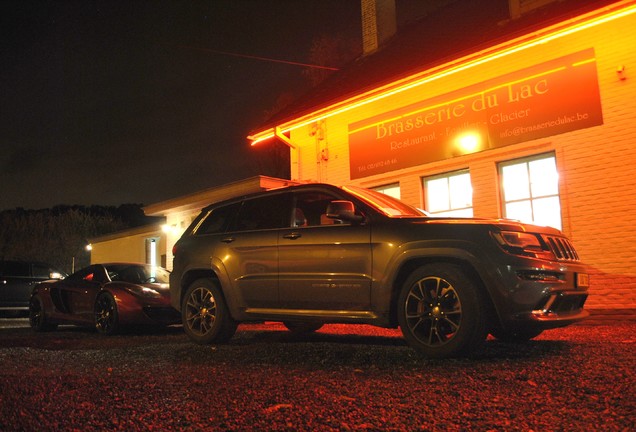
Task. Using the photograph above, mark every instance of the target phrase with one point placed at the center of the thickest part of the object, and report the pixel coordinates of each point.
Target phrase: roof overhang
(149, 230)
(198, 200)
(495, 52)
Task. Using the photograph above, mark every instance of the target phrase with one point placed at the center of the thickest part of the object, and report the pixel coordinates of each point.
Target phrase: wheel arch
(408, 266)
(217, 275)
(194, 274)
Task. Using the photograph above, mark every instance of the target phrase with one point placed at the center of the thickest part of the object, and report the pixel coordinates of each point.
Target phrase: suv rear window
(218, 219)
(267, 212)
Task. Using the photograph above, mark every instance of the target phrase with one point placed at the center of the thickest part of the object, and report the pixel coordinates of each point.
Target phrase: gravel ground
(343, 378)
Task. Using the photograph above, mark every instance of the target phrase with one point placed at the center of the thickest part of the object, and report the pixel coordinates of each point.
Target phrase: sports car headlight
(143, 291)
(520, 243)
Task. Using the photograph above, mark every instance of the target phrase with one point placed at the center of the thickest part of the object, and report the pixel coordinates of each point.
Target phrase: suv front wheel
(441, 312)
(206, 318)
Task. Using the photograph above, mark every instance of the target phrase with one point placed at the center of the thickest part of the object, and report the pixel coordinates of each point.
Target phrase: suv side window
(312, 208)
(218, 219)
(267, 212)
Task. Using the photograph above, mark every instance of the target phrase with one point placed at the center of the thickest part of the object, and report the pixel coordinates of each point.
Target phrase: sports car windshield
(384, 203)
(137, 274)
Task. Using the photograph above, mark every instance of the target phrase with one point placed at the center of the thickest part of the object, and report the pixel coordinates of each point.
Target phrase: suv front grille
(561, 248)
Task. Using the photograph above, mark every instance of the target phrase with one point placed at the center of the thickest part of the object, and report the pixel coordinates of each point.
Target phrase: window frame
(280, 203)
(531, 199)
(447, 175)
(384, 187)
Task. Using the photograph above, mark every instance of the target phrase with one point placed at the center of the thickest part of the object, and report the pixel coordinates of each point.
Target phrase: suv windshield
(384, 203)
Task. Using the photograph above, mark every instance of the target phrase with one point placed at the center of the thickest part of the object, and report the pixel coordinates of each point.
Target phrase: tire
(106, 314)
(37, 317)
(300, 327)
(205, 316)
(441, 312)
(515, 336)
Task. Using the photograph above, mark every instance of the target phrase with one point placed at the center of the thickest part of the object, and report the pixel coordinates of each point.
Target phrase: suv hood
(502, 224)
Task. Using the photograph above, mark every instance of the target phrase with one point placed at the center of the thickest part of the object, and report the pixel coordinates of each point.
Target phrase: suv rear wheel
(441, 312)
(206, 318)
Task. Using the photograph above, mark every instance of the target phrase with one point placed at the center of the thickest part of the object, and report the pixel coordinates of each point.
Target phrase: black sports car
(105, 296)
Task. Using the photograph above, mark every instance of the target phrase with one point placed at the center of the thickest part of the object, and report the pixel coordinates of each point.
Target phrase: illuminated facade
(539, 127)
(146, 244)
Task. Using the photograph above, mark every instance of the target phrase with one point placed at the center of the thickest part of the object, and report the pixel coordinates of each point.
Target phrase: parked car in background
(17, 279)
(313, 254)
(107, 297)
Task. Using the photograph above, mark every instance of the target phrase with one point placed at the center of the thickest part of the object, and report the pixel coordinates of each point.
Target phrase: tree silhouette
(58, 236)
(333, 51)
(328, 50)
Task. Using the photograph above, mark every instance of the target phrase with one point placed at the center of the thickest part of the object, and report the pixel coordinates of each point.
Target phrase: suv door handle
(228, 239)
(292, 236)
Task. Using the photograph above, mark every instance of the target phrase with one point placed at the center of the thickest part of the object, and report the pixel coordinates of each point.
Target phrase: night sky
(113, 102)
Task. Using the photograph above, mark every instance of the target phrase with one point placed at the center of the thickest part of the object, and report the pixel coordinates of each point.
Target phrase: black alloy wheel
(106, 314)
(440, 311)
(206, 318)
(37, 317)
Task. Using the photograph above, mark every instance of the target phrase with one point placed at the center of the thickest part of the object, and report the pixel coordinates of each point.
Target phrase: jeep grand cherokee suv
(313, 254)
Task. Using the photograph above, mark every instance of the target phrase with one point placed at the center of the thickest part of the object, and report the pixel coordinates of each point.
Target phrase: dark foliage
(59, 235)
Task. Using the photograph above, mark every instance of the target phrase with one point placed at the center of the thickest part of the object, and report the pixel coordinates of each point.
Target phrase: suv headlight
(519, 243)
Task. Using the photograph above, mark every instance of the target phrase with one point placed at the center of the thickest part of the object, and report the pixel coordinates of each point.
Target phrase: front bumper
(559, 309)
(544, 295)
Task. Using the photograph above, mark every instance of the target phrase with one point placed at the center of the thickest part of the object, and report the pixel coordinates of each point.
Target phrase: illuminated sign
(551, 98)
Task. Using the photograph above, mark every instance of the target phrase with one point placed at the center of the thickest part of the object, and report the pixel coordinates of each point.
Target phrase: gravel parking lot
(342, 378)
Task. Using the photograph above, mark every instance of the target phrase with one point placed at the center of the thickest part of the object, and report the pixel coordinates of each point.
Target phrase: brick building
(522, 109)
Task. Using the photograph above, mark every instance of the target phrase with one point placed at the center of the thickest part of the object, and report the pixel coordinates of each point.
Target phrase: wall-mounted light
(170, 229)
(620, 71)
(469, 142)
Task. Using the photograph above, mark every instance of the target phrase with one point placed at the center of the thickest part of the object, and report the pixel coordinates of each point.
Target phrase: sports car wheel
(206, 318)
(37, 317)
(300, 327)
(441, 312)
(106, 315)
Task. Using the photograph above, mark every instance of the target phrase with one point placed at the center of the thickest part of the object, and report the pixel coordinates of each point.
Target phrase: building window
(530, 190)
(449, 194)
(151, 251)
(392, 190)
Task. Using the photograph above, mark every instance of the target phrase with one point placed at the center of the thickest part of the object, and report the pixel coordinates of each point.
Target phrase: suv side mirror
(343, 210)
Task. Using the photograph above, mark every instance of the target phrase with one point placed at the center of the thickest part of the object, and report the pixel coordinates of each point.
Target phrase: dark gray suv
(17, 279)
(313, 254)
